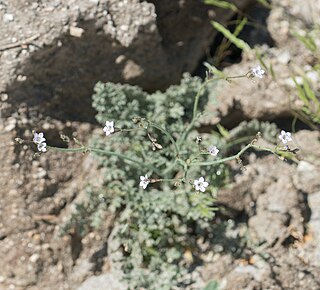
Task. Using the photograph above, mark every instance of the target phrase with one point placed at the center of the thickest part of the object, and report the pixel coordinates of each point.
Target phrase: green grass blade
(212, 69)
(301, 93)
(272, 72)
(307, 41)
(235, 40)
(223, 131)
(259, 57)
(240, 26)
(222, 4)
(309, 92)
(265, 3)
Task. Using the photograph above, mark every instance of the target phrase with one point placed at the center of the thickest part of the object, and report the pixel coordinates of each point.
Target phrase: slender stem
(258, 148)
(176, 149)
(196, 103)
(236, 77)
(166, 179)
(239, 141)
(195, 109)
(197, 97)
(118, 130)
(79, 149)
(84, 149)
(196, 100)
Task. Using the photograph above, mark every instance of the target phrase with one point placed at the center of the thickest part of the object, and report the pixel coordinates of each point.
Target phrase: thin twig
(26, 41)
(238, 155)
(85, 149)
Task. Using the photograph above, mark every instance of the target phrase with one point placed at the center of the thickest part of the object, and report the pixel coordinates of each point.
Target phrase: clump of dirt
(58, 59)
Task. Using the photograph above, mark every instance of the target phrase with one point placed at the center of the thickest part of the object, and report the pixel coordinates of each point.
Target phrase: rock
(156, 54)
(81, 270)
(307, 177)
(8, 18)
(309, 144)
(110, 281)
(10, 124)
(314, 203)
(276, 209)
(257, 272)
(4, 97)
(34, 258)
(268, 197)
(244, 100)
(76, 31)
(314, 223)
(268, 99)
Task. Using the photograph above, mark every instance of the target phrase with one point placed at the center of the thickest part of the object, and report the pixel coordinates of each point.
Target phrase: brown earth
(51, 55)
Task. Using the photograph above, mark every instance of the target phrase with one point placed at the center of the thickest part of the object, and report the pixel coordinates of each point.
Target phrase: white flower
(109, 128)
(285, 137)
(213, 150)
(200, 184)
(257, 72)
(38, 138)
(42, 147)
(144, 181)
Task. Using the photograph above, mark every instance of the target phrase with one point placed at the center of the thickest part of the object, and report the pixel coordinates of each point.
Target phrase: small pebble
(34, 258)
(4, 97)
(76, 31)
(8, 18)
(9, 127)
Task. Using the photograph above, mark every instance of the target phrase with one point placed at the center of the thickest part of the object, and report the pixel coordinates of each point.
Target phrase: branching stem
(85, 149)
(238, 155)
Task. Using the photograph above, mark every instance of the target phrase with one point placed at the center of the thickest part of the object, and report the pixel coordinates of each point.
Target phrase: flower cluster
(257, 72)
(144, 181)
(200, 184)
(213, 150)
(285, 137)
(109, 128)
(39, 140)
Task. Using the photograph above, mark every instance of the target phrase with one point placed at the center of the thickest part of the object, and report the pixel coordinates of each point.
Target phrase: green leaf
(265, 3)
(309, 92)
(259, 57)
(223, 131)
(307, 41)
(272, 71)
(301, 93)
(235, 40)
(214, 70)
(222, 4)
(240, 26)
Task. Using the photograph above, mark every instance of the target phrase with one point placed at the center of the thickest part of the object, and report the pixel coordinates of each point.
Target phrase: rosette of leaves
(155, 227)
